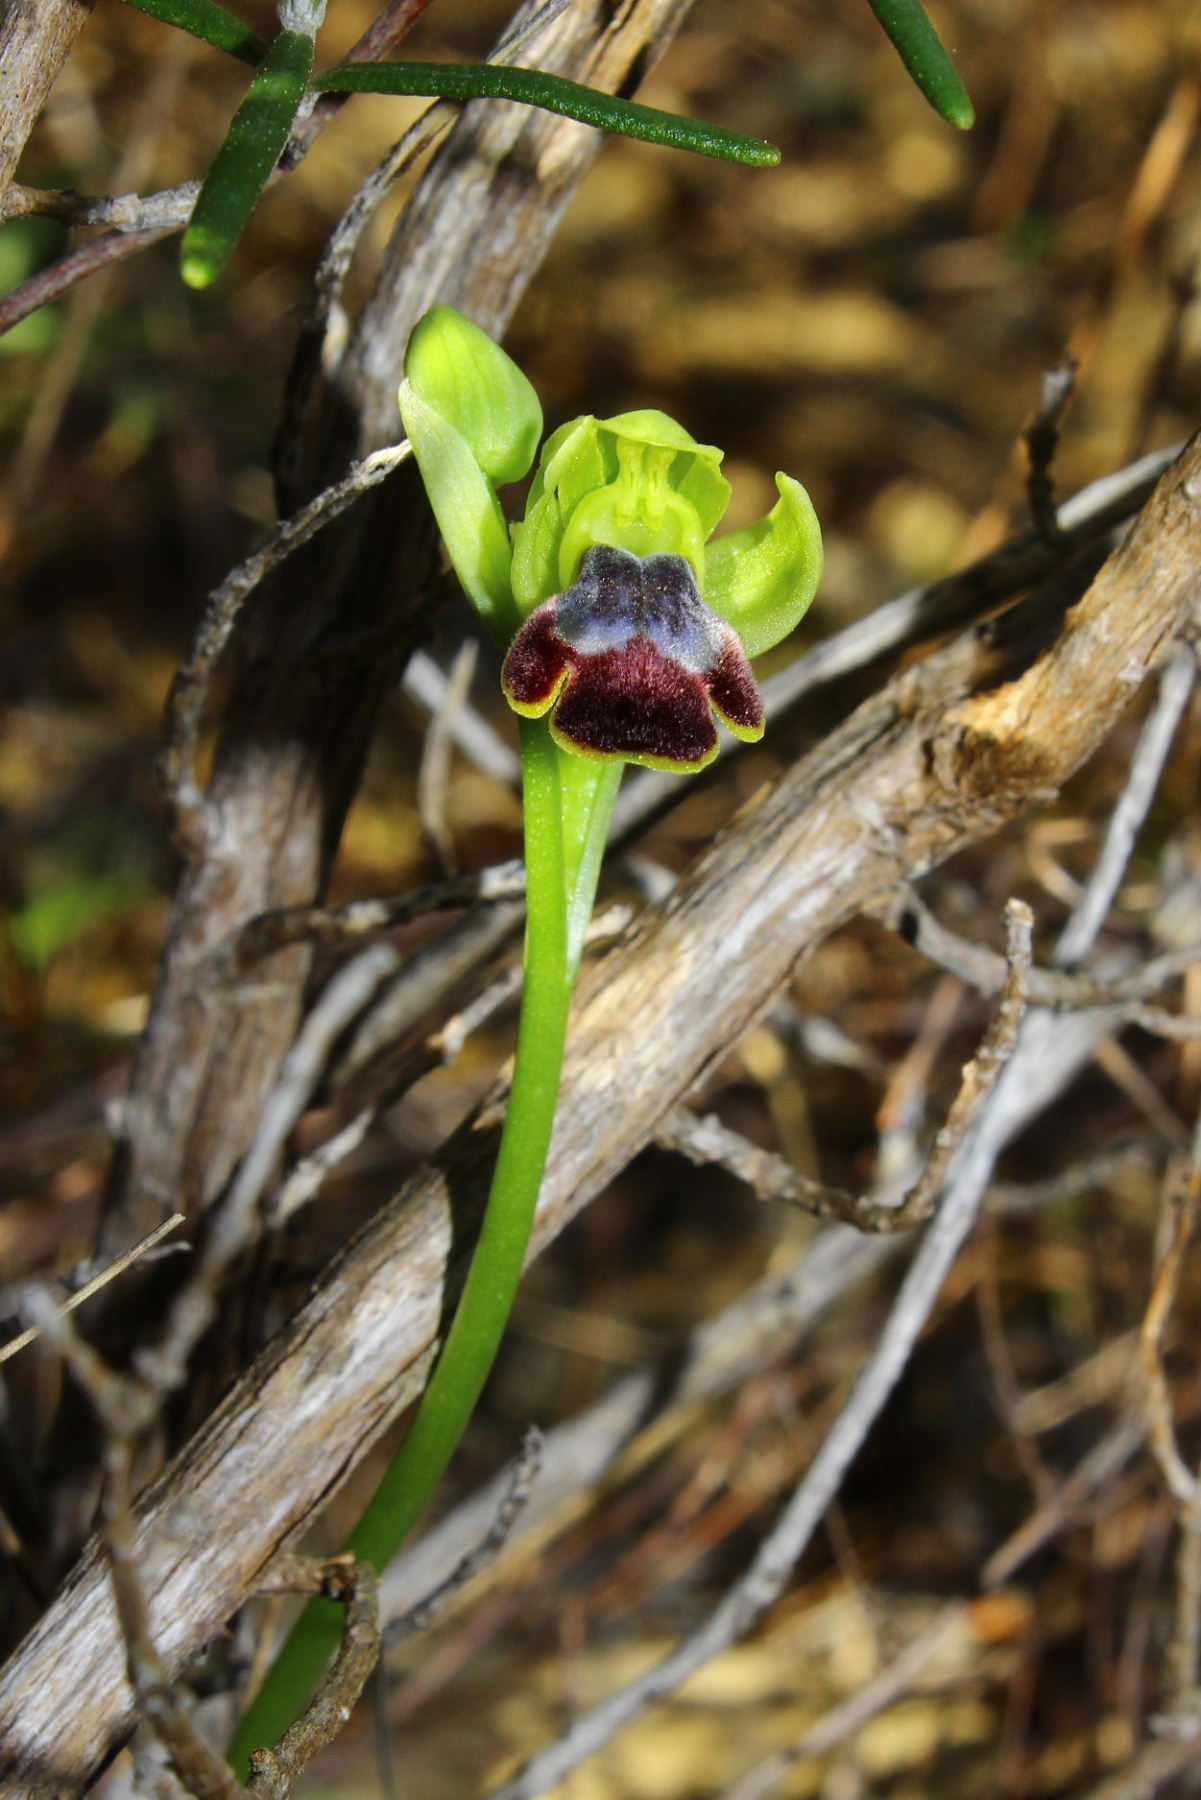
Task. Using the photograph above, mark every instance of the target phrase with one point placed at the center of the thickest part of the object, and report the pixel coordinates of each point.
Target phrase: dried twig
(430, 981)
(1182, 1204)
(469, 730)
(125, 1406)
(1146, 766)
(1093, 1471)
(984, 969)
(449, 1039)
(235, 1224)
(1182, 1198)
(34, 42)
(1092, 1171)
(164, 211)
(842, 1722)
(189, 690)
(966, 1165)
(304, 371)
(497, 886)
(1003, 1374)
(1124, 1439)
(1149, 1773)
(705, 1140)
(925, 613)
(1042, 440)
(58, 278)
(433, 775)
(772, 1178)
(273, 1772)
(518, 1481)
(334, 926)
(109, 1273)
(305, 1180)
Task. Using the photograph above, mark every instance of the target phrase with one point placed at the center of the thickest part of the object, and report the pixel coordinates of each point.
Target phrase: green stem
(587, 792)
(566, 819)
(553, 93)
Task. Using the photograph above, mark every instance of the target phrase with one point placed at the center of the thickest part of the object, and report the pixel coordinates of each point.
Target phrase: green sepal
(761, 579)
(570, 466)
(459, 371)
(467, 510)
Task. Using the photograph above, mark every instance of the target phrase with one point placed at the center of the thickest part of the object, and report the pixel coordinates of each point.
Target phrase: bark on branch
(35, 37)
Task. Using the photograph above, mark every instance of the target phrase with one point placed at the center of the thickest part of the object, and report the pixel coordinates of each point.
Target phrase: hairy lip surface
(632, 664)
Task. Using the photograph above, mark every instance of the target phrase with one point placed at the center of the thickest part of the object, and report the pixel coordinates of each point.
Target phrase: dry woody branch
(877, 1146)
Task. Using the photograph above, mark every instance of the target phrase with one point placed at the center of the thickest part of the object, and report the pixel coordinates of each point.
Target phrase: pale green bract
(637, 481)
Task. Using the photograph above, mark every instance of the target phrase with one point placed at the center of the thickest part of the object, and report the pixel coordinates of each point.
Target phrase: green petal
(762, 579)
(608, 517)
(648, 425)
(571, 465)
(467, 510)
(459, 371)
(696, 475)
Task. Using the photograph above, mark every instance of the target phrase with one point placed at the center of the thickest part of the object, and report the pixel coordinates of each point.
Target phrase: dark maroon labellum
(634, 664)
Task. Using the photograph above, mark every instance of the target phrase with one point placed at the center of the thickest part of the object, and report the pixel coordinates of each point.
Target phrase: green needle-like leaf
(554, 93)
(251, 150)
(211, 23)
(921, 50)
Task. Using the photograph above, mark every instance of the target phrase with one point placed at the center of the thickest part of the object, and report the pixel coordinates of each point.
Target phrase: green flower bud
(458, 370)
(474, 421)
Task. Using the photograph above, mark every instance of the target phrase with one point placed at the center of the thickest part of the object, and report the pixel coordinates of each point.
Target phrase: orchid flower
(628, 629)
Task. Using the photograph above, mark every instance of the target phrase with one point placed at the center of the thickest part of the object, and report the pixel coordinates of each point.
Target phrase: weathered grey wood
(942, 756)
(35, 37)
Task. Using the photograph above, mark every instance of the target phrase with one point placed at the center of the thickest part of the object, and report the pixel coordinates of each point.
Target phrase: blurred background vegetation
(873, 316)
